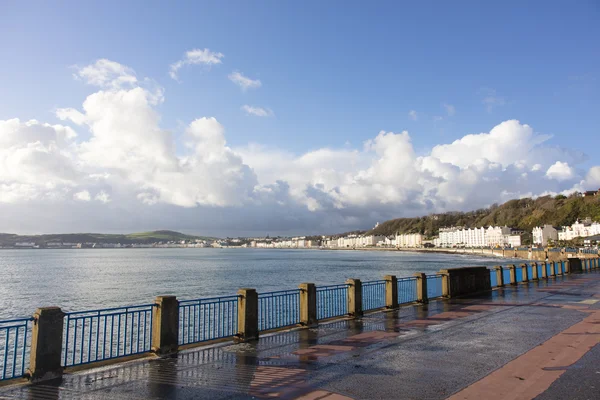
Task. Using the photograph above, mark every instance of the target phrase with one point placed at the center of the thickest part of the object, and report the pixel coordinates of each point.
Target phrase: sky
(286, 118)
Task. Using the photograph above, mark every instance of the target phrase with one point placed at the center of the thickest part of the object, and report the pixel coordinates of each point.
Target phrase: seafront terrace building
(579, 229)
(543, 235)
(492, 236)
(409, 240)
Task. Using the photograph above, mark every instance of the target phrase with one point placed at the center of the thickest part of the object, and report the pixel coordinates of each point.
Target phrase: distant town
(586, 230)
(436, 231)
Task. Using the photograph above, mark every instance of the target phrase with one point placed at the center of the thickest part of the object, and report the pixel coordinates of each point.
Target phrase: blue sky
(333, 74)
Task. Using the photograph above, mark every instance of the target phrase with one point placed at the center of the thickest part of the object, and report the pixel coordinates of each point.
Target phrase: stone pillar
(499, 275)
(165, 325)
(534, 272)
(559, 270)
(391, 291)
(421, 288)
(552, 269)
(445, 284)
(308, 304)
(46, 344)
(247, 315)
(512, 269)
(524, 273)
(354, 298)
(544, 270)
(567, 267)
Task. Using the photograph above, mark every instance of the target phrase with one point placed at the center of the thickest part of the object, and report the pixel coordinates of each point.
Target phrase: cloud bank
(110, 166)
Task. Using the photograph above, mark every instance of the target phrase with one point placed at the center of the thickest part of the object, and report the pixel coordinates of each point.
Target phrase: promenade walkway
(536, 340)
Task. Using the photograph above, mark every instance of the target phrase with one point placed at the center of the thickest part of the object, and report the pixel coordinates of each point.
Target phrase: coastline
(475, 252)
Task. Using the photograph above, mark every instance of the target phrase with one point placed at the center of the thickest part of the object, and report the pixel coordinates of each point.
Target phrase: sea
(89, 279)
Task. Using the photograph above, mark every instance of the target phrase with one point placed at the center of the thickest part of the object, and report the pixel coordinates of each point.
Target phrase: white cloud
(195, 57)
(560, 171)
(592, 179)
(103, 197)
(107, 74)
(84, 195)
(123, 156)
(243, 81)
(450, 109)
(257, 111)
(507, 143)
(412, 114)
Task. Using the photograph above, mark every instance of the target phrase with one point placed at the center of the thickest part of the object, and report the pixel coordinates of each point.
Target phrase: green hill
(523, 214)
(9, 239)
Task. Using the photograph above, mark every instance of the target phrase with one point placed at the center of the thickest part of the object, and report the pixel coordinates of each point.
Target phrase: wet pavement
(537, 340)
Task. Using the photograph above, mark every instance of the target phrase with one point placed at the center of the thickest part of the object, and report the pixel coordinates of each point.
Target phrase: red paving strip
(533, 372)
(323, 395)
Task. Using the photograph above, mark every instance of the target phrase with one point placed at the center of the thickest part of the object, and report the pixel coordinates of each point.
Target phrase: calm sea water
(78, 280)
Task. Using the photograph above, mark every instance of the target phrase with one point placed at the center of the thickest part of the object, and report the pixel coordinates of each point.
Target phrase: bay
(87, 279)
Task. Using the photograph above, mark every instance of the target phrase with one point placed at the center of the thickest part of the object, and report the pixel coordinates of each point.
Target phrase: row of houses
(300, 242)
(548, 233)
(492, 236)
(411, 240)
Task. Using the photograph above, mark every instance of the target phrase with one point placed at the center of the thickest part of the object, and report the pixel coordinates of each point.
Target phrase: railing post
(391, 291)
(46, 344)
(499, 275)
(354, 297)
(524, 273)
(421, 287)
(512, 272)
(165, 325)
(534, 272)
(247, 315)
(544, 269)
(552, 269)
(559, 270)
(308, 304)
(445, 284)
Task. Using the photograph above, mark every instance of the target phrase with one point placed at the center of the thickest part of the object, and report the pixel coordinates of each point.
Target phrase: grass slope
(8, 239)
(521, 214)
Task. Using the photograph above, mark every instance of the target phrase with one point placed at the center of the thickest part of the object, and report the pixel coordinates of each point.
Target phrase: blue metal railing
(519, 274)
(97, 335)
(373, 295)
(493, 278)
(207, 319)
(530, 271)
(15, 342)
(332, 301)
(506, 275)
(407, 290)
(434, 286)
(278, 309)
(555, 250)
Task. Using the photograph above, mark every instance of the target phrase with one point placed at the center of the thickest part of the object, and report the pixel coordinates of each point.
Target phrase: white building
(25, 244)
(513, 240)
(409, 240)
(579, 229)
(492, 236)
(542, 235)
